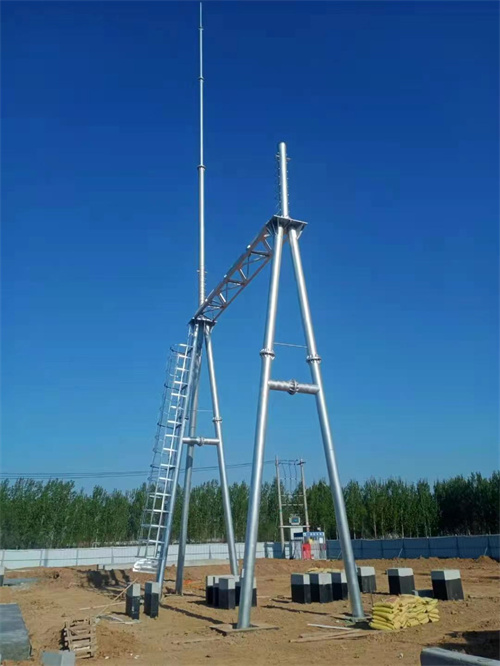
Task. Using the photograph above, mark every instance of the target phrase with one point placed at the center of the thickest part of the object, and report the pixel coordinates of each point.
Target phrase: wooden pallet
(80, 637)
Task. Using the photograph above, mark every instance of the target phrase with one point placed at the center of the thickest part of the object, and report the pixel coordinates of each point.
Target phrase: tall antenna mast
(201, 178)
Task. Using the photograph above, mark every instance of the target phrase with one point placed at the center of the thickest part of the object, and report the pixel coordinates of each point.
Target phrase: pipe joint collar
(313, 358)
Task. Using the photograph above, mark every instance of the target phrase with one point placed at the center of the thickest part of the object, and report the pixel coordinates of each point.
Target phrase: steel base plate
(233, 628)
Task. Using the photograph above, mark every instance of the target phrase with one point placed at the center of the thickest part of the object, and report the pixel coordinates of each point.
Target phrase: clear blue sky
(390, 111)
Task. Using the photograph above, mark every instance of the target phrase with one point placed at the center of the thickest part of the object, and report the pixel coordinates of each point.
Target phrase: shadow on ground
(477, 643)
(108, 580)
(188, 613)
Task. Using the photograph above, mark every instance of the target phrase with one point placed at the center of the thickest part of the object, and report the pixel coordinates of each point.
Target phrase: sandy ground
(61, 594)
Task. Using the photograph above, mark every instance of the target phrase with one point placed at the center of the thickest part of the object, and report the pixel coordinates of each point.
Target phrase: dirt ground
(60, 594)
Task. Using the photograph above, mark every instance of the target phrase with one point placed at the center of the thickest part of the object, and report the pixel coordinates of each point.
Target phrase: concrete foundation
(447, 585)
(366, 579)
(133, 601)
(339, 586)
(301, 588)
(209, 590)
(401, 581)
(227, 592)
(238, 591)
(14, 639)
(151, 599)
(321, 588)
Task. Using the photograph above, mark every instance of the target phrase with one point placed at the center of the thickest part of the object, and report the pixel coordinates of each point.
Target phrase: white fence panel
(364, 549)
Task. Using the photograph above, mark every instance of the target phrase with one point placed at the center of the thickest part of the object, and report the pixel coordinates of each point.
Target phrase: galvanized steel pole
(201, 178)
(283, 179)
(280, 507)
(338, 499)
(231, 545)
(267, 356)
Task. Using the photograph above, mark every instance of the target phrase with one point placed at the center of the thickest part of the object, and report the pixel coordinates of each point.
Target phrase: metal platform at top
(257, 255)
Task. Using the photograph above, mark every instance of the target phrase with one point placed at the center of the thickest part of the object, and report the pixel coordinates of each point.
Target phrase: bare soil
(470, 626)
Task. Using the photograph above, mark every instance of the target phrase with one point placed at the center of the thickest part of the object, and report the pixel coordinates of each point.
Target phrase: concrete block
(216, 589)
(440, 657)
(14, 639)
(321, 587)
(447, 584)
(209, 590)
(227, 592)
(301, 588)
(366, 579)
(151, 599)
(238, 591)
(133, 601)
(62, 658)
(340, 590)
(401, 581)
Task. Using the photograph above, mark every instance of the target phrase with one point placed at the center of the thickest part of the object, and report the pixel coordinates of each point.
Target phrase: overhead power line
(108, 475)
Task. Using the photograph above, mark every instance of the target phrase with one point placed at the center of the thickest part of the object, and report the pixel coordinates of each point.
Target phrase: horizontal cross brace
(292, 387)
(200, 441)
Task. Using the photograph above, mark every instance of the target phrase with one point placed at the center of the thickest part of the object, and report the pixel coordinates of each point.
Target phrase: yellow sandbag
(434, 619)
(419, 616)
(383, 627)
(389, 618)
(412, 623)
(382, 620)
(384, 612)
(383, 604)
(409, 598)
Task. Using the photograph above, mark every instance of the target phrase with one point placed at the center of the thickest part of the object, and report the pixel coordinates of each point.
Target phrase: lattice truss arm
(243, 271)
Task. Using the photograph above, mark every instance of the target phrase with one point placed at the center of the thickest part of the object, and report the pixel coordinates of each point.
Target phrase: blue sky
(390, 112)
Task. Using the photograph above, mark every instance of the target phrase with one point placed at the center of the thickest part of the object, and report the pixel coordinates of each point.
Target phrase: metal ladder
(167, 454)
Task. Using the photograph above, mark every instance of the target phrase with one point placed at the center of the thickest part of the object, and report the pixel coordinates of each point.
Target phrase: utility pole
(280, 506)
(304, 493)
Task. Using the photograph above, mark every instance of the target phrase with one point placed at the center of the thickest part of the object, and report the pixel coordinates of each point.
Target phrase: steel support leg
(187, 478)
(338, 499)
(169, 517)
(267, 355)
(280, 507)
(231, 545)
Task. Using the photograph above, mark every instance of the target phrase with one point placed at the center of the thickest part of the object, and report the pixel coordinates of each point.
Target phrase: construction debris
(80, 637)
(404, 611)
(331, 636)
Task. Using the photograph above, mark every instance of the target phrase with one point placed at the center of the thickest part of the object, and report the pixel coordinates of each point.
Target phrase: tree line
(55, 514)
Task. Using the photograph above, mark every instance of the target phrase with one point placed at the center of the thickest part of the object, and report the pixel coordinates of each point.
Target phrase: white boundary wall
(122, 557)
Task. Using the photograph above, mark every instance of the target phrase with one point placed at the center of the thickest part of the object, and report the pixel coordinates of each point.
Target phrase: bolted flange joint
(294, 387)
(267, 352)
(217, 419)
(313, 359)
